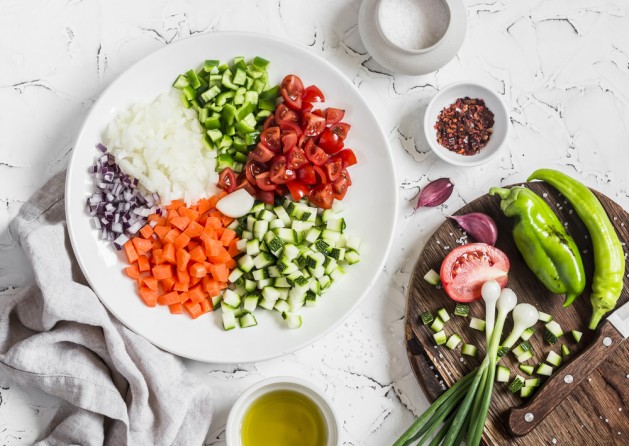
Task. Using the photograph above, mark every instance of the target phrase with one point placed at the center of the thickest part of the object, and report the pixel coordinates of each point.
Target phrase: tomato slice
(292, 89)
(263, 181)
(466, 268)
(333, 115)
(322, 196)
(270, 137)
(297, 189)
(315, 154)
(266, 196)
(340, 186)
(320, 173)
(296, 158)
(287, 125)
(227, 180)
(261, 153)
(340, 129)
(289, 140)
(279, 172)
(269, 122)
(333, 168)
(312, 124)
(312, 94)
(306, 106)
(348, 157)
(330, 142)
(253, 169)
(283, 113)
(307, 174)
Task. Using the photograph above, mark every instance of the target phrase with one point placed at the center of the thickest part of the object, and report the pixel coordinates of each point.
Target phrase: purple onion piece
(101, 147)
(435, 193)
(480, 226)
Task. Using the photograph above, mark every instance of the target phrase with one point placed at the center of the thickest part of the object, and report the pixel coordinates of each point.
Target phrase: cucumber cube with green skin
(440, 337)
(432, 277)
(502, 374)
(526, 334)
(544, 370)
(477, 324)
(516, 384)
(427, 318)
(462, 310)
(528, 369)
(443, 314)
(469, 350)
(437, 325)
(453, 341)
(565, 351)
(533, 382)
(553, 358)
(576, 335)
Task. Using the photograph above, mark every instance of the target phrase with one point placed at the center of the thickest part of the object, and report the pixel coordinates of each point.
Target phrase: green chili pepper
(542, 240)
(609, 258)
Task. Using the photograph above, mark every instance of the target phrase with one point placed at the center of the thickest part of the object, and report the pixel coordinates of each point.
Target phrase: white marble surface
(562, 67)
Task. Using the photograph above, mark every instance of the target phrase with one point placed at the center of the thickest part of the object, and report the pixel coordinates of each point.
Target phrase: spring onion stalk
(524, 316)
(490, 293)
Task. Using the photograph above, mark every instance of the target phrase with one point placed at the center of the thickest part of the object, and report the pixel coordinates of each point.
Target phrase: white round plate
(370, 204)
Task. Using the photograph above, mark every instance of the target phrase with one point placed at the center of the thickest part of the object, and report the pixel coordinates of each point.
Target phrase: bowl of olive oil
(282, 411)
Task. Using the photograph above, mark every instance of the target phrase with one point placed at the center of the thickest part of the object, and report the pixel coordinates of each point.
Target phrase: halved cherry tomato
(246, 185)
(279, 172)
(333, 168)
(296, 158)
(348, 157)
(263, 181)
(315, 154)
(340, 129)
(291, 89)
(297, 189)
(320, 173)
(283, 113)
(271, 138)
(307, 174)
(261, 153)
(340, 186)
(313, 124)
(292, 126)
(312, 94)
(253, 169)
(227, 180)
(330, 142)
(266, 196)
(466, 268)
(322, 196)
(333, 115)
(269, 122)
(289, 140)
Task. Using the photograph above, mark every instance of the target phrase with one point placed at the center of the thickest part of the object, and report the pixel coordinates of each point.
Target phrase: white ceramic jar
(373, 23)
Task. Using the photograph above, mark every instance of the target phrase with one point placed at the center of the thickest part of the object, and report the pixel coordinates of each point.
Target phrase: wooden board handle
(524, 418)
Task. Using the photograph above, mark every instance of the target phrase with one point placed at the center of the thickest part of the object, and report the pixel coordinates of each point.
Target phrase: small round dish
(239, 409)
(449, 95)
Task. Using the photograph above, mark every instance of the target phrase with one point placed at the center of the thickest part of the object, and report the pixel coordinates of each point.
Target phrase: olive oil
(283, 418)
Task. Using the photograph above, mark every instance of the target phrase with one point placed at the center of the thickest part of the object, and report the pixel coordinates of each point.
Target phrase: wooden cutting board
(597, 412)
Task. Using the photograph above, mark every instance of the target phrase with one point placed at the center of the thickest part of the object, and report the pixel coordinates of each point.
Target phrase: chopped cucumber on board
(477, 324)
(462, 310)
(525, 392)
(526, 334)
(443, 314)
(469, 350)
(545, 317)
(565, 351)
(432, 277)
(440, 337)
(553, 358)
(544, 370)
(437, 325)
(516, 384)
(528, 369)
(427, 317)
(576, 335)
(502, 374)
(453, 341)
(552, 332)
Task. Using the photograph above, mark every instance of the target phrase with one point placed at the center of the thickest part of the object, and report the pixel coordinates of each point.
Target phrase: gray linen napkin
(56, 335)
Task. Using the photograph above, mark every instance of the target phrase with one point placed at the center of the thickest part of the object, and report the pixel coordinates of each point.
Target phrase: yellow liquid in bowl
(283, 418)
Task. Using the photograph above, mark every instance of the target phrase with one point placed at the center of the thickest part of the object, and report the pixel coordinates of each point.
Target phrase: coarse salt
(413, 24)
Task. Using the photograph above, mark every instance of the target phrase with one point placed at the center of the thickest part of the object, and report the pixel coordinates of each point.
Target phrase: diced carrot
(221, 194)
(180, 223)
(198, 254)
(222, 257)
(175, 204)
(203, 205)
(190, 213)
(208, 232)
(171, 236)
(176, 308)
(181, 286)
(214, 223)
(183, 257)
(226, 220)
(168, 284)
(161, 231)
(149, 296)
(206, 306)
(141, 245)
(196, 294)
(192, 245)
(213, 247)
(183, 297)
(194, 280)
(211, 286)
(233, 249)
(219, 232)
(228, 236)
(197, 270)
(193, 309)
(172, 213)
(132, 271)
(157, 258)
(152, 283)
(168, 299)
(143, 263)
(194, 229)
(168, 253)
(161, 272)
(146, 231)
(153, 217)
(231, 264)
(157, 244)
(212, 201)
(218, 271)
(131, 253)
(182, 241)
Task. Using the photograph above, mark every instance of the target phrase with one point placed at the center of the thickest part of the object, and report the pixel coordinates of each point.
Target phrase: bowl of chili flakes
(466, 124)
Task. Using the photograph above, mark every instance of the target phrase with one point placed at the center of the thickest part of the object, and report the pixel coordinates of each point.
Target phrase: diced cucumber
(231, 298)
(247, 320)
(477, 324)
(525, 392)
(282, 306)
(461, 310)
(544, 317)
(544, 370)
(502, 374)
(432, 277)
(443, 314)
(528, 369)
(292, 320)
(229, 320)
(565, 351)
(522, 348)
(235, 275)
(516, 384)
(469, 350)
(427, 318)
(552, 332)
(453, 341)
(250, 302)
(533, 382)
(246, 263)
(553, 358)
(440, 337)
(576, 335)
(437, 324)
(526, 334)
(502, 350)
(525, 356)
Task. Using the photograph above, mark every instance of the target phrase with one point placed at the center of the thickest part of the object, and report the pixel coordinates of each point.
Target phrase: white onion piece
(236, 204)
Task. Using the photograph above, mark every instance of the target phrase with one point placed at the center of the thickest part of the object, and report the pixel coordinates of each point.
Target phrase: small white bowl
(448, 96)
(238, 410)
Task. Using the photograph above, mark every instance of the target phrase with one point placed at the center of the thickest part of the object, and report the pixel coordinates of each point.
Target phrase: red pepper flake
(465, 126)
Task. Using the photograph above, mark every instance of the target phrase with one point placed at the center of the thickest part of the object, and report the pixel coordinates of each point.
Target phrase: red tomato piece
(292, 126)
(297, 189)
(333, 168)
(296, 158)
(283, 113)
(348, 157)
(321, 196)
(312, 94)
(340, 129)
(261, 153)
(263, 181)
(333, 115)
(307, 174)
(339, 187)
(279, 172)
(313, 124)
(271, 138)
(246, 185)
(306, 106)
(266, 196)
(292, 89)
(315, 154)
(320, 173)
(289, 140)
(253, 169)
(227, 180)
(269, 122)
(330, 142)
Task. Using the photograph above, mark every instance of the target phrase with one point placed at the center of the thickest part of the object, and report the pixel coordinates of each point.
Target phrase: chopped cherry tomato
(280, 173)
(312, 94)
(296, 158)
(340, 186)
(271, 138)
(333, 168)
(340, 129)
(318, 113)
(263, 181)
(253, 169)
(289, 140)
(246, 185)
(261, 153)
(307, 174)
(315, 154)
(283, 113)
(269, 122)
(227, 180)
(348, 157)
(323, 178)
(297, 189)
(291, 89)
(333, 115)
(322, 196)
(303, 141)
(306, 106)
(290, 126)
(330, 142)
(466, 268)
(313, 124)
(266, 196)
